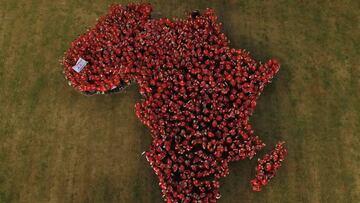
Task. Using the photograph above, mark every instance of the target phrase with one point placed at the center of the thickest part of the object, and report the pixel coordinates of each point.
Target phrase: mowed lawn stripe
(19, 47)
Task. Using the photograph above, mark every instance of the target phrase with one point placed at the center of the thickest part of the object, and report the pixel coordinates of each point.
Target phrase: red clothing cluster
(198, 92)
(112, 49)
(267, 166)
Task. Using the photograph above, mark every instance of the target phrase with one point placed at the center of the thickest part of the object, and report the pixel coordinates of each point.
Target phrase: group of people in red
(268, 166)
(198, 93)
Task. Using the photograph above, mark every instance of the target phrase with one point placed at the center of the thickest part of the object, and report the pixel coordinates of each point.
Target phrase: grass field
(57, 145)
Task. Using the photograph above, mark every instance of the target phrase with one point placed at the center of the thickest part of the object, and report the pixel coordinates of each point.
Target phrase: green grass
(57, 145)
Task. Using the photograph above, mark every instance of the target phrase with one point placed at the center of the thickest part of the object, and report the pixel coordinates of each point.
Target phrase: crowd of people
(198, 93)
(268, 166)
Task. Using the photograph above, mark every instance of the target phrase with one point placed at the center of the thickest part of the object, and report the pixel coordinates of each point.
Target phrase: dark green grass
(57, 145)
